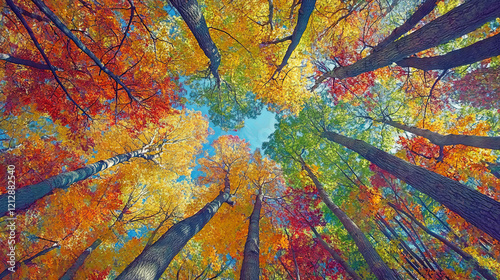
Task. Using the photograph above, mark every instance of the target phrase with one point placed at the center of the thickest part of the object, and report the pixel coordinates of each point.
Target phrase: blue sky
(256, 131)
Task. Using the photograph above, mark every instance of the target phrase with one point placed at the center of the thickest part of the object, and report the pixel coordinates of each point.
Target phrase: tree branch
(59, 24)
(16, 11)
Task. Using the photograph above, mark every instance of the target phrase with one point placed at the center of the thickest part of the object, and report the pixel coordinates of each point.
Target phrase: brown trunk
(371, 256)
(250, 267)
(469, 258)
(457, 22)
(450, 139)
(192, 15)
(484, 49)
(475, 207)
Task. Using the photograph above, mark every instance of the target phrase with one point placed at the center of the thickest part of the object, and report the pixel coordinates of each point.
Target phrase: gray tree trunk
(371, 256)
(450, 139)
(482, 270)
(154, 260)
(191, 13)
(26, 196)
(483, 49)
(475, 207)
(457, 22)
(250, 267)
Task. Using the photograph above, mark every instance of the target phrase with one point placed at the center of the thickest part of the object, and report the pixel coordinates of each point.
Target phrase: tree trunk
(371, 256)
(406, 255)
(475, 207)
(191, 13)
(28, 195)
(450, 139)
(415, 18)
(425, 265)
(250, 267)
(26, 261)
(352, 273)
(457, 22)
(484, 49)
(70, 273)
(305, 11)
(469, 258)
(153, 261)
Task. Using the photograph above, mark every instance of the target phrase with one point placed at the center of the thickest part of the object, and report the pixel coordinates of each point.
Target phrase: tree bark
(469, 258)
(18, 264)
(70, 273)
(475, 207)
(483, 49)
(371, 256)
(441, 140)
(28, 195)
(305, 11)
(191, 13)
(153, 261)
(415, 18)
(250, 267)
(457, 22)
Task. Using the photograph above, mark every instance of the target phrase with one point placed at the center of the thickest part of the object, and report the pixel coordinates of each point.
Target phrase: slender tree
(250, 267)
(449, 139)
(371, 256)
(154, 260)
(483, 271)
(193, 16)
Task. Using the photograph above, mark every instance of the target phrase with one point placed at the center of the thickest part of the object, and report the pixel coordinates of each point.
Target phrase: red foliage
(152, 93)
(313, 261)
(480, 88)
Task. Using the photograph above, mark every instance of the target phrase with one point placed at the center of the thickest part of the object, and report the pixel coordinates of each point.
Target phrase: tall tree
(265, 177)
(457, 197)
(459, 21)
(191, 129)
(250, 266)
(225, 165)
(377, 265)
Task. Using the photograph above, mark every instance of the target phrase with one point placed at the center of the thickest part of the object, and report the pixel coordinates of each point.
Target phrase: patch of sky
(255, 131)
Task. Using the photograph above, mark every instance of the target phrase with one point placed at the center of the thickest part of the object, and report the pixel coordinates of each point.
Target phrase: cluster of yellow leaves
(227, 231)
(485, 260)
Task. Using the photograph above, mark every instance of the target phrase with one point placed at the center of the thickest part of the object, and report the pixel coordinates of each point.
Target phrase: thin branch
(430, 94)
(127, 29)
(220, 30)
(16, 11)
(59, 24)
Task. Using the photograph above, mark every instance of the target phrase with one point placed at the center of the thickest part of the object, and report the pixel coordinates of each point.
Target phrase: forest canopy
(123, 155)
